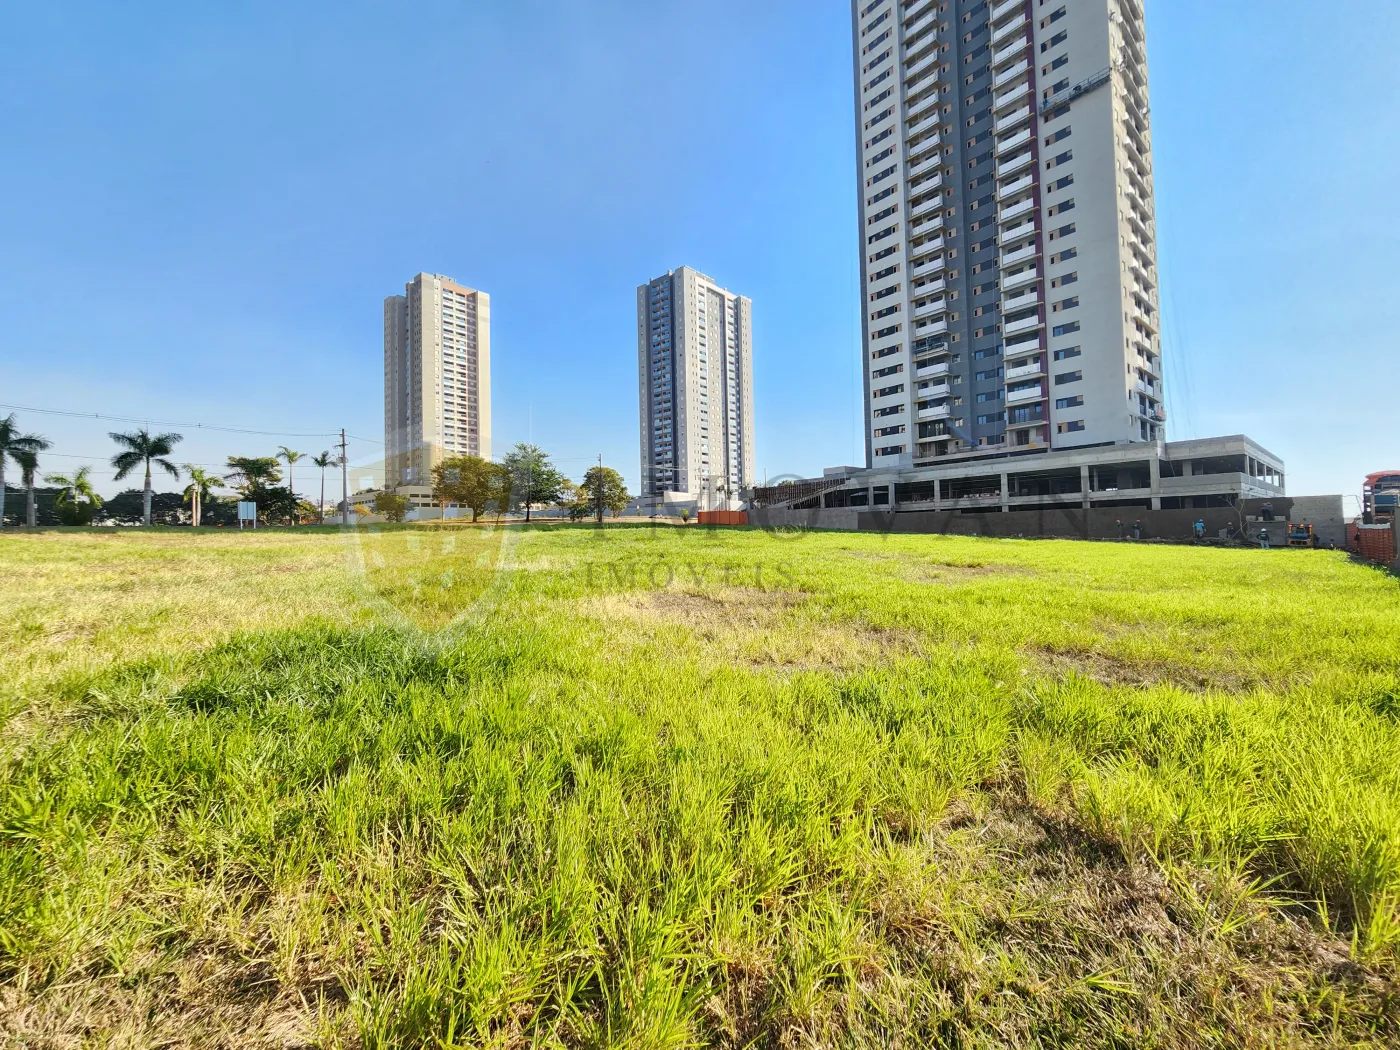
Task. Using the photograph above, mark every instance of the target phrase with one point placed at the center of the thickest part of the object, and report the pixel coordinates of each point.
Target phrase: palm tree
(74, 487)
(11, 443)
(324, 460)
(141, 448)
(290, 458)
(28, 461)
(201, 488)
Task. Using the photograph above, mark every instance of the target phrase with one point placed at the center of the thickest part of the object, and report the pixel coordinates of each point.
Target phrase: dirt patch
(769, 629)
(1114, 670)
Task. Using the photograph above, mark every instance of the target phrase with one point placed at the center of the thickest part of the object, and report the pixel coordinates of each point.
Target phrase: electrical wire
(173, 423)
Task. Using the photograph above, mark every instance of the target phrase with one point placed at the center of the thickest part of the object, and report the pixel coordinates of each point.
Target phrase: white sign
(247, 511)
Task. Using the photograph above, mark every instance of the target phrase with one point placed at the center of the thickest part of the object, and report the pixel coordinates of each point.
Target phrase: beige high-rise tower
(437, 377)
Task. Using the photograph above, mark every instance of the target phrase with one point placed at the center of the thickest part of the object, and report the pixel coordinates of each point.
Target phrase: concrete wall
(1074, 523)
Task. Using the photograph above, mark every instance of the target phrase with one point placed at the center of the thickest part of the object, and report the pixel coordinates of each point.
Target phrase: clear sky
(204, 206)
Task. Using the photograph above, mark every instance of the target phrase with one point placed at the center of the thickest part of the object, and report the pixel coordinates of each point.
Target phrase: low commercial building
(1159, 488)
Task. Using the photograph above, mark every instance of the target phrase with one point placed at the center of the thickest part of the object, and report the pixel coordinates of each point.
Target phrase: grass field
(653, 788)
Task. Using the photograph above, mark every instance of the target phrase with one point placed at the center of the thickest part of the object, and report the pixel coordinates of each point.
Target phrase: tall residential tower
(437, 377)
(1008, 245)
(695, 379)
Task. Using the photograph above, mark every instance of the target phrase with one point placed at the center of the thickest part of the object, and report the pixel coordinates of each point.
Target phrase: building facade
(437, 377)
(1007, 228)
(695, 386)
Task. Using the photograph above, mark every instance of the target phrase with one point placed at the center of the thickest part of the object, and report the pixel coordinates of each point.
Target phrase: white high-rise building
(1008, 244)
(437, 377)
(695, 378)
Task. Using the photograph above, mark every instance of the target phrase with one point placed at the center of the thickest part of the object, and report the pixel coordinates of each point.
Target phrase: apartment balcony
(1026, 371)
(1003, 9)
(1015, 280)
(1025, 397)
(1017, 210)
(929, 165)
(932, 266)
(1008, 122)
(929, 182)
(1006, 76)
(1014, 142)
(1017, 302)
(917, 8)
(926, 206)
(1010, 51)
(931, 327)
(1002, 32)
(1009, 236)
(932, 224)
(930, 121)
(932, 288)
(933, 371)
(1025, 324)
(936, 412)
(929, 309)
(922, 107)
(1020, 255)
(1013, 164)
(1025, 182)
(928, 246)
(936, 390)
(919, 26)
(1146, 388)
(1015, 94)
(921, 65)
(920, 151)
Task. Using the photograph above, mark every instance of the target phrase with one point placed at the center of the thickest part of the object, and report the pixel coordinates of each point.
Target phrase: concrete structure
(1060, 493)
(437, 377)
(695, 388)
(1009, 270)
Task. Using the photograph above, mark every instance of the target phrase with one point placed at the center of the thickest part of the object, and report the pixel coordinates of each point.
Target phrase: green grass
(652, 788)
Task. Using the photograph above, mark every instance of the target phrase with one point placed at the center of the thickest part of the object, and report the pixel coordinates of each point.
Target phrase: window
(1068, 377)
(880, 97)
(1069, 278)
(889, 450)
(1063, 231)
(1061, 208)
(1072, 427)
(879, 138)
(1066, 329)
(1063, 158)
(1067, 353)
(1065, 256)
(887, 391)
(889, 431)
(1063, 133)
(992, 417)
(1063, 60)
(881, 176)
(1077, 401)
(885, 214)
(991, 373)
(1045, 23)
(982, 355)
(1061, 183)
(1065, 304)
(885, 272)
(1055, 41)
(990, 395)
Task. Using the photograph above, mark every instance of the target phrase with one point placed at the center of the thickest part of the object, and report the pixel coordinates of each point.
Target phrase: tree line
(525, 480)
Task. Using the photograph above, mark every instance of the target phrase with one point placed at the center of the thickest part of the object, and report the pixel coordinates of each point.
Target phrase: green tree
(291, 458)
(324, 460)
(77, 500)
(143, 448)
(468, 481)
(12, 442)
(200, 490)
(606, 490)
(251, 474)
(535, 481)
(392, 507)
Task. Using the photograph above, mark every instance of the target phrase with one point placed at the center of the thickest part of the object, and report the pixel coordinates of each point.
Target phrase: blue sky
(205, 205)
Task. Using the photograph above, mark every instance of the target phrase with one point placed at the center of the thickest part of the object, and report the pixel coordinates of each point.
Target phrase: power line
(173, 423)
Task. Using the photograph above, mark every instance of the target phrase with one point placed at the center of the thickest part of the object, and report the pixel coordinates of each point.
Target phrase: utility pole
(344, 481)
(599, 487)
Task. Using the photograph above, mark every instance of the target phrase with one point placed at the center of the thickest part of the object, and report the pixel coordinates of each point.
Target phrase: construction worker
(1264, 539)
(1137, 529)
(1199, 529)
